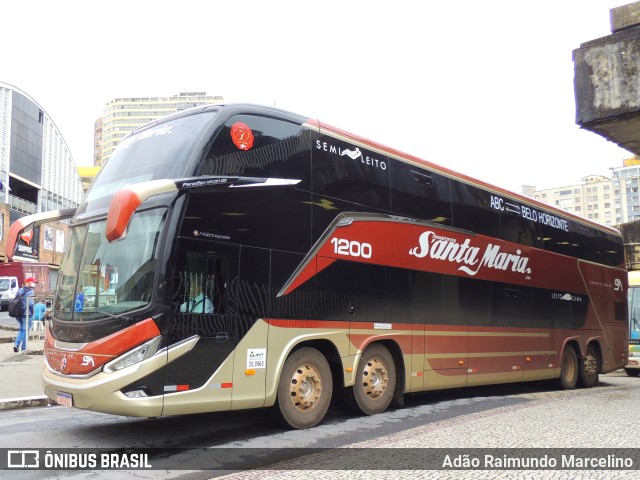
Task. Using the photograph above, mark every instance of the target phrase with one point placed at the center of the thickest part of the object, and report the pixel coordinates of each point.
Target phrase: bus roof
(459, 176)
(405, 157)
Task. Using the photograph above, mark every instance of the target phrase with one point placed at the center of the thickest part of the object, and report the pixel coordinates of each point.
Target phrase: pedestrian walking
(25, 292)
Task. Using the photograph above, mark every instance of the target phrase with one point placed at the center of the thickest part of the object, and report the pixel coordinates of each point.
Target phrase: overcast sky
(482, 87)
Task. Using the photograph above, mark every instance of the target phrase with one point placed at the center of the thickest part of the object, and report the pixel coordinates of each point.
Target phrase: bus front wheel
(375, 381)
(589, 367)
(569, 368)
(305, 388)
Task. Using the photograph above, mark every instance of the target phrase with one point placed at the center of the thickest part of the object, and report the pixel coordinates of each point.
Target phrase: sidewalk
(21, 381)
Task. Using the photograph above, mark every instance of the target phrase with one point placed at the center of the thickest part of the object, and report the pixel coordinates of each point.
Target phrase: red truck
(13, 275)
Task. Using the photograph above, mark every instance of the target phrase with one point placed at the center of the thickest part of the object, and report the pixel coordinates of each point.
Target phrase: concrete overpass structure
(607, 91)
(607, 81)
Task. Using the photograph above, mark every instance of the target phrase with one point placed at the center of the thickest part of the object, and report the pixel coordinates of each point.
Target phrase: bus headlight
(134, 356)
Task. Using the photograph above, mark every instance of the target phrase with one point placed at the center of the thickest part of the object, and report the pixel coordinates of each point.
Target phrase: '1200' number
(351, 248)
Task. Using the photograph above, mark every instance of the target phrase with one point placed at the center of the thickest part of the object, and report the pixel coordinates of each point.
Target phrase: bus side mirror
(125, 202)
(121, 208)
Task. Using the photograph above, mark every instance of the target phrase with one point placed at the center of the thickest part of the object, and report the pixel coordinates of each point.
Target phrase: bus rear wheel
(589, 367)
(375, 381)
(569, 368)
(305, 388)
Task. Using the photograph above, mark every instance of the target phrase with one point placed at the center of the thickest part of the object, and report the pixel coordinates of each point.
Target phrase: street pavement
(549, 420)
(21, 381)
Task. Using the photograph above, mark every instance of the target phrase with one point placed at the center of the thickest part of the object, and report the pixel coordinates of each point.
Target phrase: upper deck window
(272, 148)
(349, 172)
(163, 151)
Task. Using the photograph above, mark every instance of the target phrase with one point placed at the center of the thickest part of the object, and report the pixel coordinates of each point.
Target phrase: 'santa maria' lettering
(469, 258)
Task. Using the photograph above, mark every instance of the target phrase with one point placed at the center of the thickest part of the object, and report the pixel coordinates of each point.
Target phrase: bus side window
(520, 230)
(202, 280)
(279, 149)
(635, 324)
(420, 193)
(199, 296)
(472, 210)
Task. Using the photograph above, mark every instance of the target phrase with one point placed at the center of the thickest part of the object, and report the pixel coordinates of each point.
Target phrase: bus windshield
(161, 151)
(99, 279)
(634, 313)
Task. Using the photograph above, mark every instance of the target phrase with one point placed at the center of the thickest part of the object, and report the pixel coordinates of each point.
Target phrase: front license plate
(65, 399)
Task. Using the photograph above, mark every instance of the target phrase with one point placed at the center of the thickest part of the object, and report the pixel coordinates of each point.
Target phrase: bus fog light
(136, 394)
(134, 356)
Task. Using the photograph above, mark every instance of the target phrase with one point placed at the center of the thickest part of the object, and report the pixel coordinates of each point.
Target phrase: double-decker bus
(633, 366)
(239, 256)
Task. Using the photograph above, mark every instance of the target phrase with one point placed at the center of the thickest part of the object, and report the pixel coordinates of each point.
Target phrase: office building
(123, 115)
(610, 201)
(627, 181)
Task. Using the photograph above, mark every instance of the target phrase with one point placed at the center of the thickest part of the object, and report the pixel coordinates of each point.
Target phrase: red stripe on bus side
(421, 248)
(438, 339)
(324, 324)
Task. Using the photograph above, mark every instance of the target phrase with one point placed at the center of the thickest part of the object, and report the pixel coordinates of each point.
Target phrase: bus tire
(305, 388)
(569, 368)
(375, 381)
(632, 372)
(589, 367)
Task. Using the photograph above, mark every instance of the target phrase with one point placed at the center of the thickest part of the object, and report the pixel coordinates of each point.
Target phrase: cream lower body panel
(533, 375)
(447, 379)
(444, 379)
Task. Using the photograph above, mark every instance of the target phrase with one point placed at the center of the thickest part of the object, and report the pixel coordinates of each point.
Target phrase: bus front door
(201, 380)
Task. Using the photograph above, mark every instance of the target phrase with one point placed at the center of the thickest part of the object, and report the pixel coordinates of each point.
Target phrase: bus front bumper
(102, 392)
(633, 363)
(99, 393)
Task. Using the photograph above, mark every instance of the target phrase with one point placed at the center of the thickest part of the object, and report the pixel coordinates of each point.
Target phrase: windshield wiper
(119, 317)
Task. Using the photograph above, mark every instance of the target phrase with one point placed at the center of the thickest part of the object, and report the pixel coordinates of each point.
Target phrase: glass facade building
(37, 172)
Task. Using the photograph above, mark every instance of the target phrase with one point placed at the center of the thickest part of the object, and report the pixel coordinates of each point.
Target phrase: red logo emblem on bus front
(242, 136)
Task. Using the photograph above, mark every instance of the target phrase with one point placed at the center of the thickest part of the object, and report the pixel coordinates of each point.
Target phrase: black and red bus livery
(326, 262)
